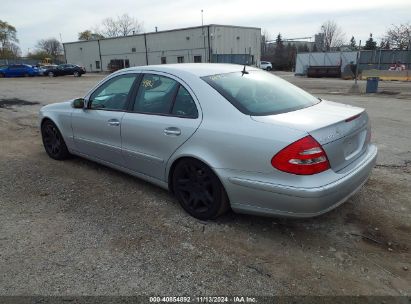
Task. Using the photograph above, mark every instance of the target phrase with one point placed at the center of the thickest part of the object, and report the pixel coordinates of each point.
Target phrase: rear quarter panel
(229, 139)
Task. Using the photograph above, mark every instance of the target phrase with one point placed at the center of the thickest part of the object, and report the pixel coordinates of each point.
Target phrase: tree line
(52, 48)
(282, 54)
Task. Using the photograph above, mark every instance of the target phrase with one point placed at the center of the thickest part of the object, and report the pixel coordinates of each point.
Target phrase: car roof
(197, 69)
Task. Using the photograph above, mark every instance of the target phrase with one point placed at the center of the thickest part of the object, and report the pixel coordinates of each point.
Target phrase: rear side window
(164, 96)
(260, 93)
(184, 104)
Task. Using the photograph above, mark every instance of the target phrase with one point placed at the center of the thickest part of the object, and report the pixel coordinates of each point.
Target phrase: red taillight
(303, 157)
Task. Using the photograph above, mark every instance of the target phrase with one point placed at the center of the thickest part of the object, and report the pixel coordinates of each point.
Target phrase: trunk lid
(341, 129)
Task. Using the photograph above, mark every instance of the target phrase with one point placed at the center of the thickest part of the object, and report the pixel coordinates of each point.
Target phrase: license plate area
(353, 144)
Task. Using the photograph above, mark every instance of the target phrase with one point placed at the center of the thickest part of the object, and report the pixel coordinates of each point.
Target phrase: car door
(19, 70)
(13, 70)
(69, 69)
(96, 128)
(161, 117)
(59, 70)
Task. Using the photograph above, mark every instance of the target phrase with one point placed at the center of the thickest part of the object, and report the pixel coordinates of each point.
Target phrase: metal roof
(165, 31)
(197, 69)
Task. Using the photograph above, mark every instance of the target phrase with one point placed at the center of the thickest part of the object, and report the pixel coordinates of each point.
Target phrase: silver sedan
(218, 136)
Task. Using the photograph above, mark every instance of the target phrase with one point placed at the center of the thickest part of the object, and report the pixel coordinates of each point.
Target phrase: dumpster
(372, 85)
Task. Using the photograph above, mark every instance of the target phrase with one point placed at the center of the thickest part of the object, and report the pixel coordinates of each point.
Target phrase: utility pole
(202, 23)
(354, 88)
(358, 63)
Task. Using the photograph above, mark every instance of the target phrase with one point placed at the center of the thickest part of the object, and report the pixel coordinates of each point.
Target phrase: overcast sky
(39, 19)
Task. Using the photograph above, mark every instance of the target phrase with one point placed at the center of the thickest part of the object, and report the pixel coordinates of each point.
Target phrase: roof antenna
(244, 71)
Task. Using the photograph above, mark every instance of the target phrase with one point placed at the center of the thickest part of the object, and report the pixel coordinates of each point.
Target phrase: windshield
(260, 92)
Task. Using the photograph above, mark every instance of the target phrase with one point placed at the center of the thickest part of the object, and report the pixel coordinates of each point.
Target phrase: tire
(268, 69)
(50, 74)
(76, 74)
(53, 141)
(26, 75)
(199, 190)
(2, 75)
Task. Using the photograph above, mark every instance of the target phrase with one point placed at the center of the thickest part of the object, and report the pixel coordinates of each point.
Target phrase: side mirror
(78, 103)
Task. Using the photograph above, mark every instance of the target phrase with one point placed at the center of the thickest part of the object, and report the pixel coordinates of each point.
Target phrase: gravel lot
(79, 228)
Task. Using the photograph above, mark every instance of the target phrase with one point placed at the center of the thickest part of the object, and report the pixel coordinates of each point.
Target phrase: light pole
(358, 63)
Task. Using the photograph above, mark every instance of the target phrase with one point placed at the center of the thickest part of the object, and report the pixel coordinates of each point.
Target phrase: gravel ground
(79, 228)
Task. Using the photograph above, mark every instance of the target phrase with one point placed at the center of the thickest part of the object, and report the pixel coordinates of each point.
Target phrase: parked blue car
(15, 70)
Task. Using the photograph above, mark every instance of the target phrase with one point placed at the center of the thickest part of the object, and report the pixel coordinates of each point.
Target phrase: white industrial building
(208, 43)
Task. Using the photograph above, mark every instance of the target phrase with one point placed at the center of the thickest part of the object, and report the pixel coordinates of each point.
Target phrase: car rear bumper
(273, 199)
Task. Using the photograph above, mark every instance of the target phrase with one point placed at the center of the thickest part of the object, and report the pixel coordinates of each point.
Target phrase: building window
(163, 60)
(98, 65)
(180, 59)
(133, 49)
(197, 59)
(127, 63)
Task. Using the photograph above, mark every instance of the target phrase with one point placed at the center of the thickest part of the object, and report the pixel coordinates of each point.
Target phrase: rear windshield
(260, 92)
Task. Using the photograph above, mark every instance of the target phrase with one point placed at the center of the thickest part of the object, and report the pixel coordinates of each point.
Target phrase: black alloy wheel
(53, 141)
(199, 190)
(76, 74)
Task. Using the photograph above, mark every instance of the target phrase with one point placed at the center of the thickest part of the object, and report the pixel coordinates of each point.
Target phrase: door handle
(172, 131)
(113, 123)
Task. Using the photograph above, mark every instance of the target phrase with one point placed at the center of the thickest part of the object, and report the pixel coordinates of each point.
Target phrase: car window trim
(173, 101)
(170, 114)
(130, 93)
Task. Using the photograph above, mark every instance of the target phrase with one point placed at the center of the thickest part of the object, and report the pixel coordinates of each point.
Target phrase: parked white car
(266, 65)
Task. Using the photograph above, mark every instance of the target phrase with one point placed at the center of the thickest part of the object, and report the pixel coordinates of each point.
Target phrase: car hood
(57, 106)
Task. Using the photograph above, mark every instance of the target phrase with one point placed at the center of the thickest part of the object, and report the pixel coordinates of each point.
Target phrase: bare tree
(333, 35)
(8, 41)
(110, 28)
(265, 38)
(15, 50)
(8, 34)
(399, 36)
(128, 25)
(50, 46)
(10, 50)
(121, 26)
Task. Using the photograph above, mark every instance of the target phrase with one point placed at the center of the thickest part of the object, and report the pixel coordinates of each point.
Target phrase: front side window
(164, 96)
(260, 93)
(113, 94)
